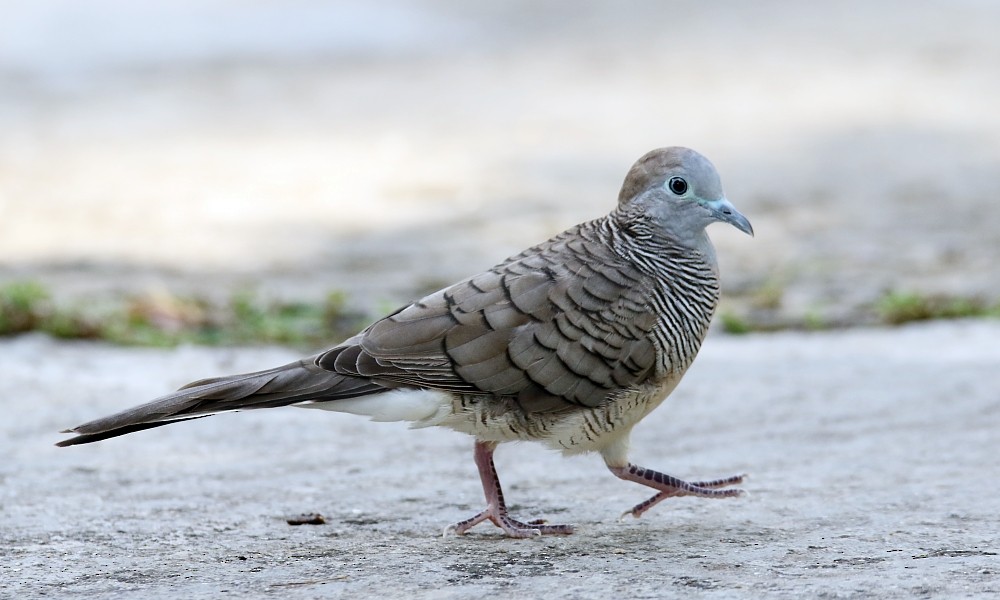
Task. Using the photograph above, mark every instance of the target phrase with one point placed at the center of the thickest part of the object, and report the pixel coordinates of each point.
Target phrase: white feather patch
(420, 407)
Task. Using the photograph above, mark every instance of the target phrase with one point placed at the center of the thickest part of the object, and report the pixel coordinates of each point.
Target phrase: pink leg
(670, 486)
(496, 510)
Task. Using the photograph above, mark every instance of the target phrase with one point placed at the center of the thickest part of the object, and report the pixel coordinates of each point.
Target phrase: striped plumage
(569, 343)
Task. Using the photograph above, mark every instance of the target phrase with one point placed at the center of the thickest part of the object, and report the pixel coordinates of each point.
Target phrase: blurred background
(178, 153)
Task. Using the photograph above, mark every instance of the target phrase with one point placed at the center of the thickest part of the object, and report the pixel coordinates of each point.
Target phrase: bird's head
(677, 192)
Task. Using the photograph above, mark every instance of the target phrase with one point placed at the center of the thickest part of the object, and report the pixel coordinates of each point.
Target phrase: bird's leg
(496, 510)
(670, 486)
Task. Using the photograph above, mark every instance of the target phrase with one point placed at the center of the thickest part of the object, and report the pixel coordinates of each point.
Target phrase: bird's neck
(683, 278)
(656, 248)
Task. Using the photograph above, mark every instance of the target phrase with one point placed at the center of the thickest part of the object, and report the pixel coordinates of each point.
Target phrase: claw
(510, 526)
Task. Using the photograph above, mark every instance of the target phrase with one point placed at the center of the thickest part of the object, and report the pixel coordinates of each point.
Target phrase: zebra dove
(569, 343)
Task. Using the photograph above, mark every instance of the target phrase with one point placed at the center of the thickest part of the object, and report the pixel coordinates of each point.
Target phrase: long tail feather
(96, 437)
(289, 384)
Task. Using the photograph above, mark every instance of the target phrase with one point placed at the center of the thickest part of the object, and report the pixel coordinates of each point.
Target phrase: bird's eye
(677, 185)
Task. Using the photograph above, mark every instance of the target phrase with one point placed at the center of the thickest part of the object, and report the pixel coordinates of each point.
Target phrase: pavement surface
(385, 149)
(872, 456)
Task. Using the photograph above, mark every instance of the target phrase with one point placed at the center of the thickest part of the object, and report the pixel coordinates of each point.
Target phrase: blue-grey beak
(726, 212)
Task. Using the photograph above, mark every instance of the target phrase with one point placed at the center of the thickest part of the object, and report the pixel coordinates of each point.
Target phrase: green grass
(247, 317)
(165, 319)
(898, 307)
(759, 311)
(734, 323)
(19, 306)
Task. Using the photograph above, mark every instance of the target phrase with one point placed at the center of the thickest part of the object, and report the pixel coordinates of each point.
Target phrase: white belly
(571, 431)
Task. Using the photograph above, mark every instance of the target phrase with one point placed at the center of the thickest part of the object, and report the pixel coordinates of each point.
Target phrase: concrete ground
(383, 149)
(872, 456)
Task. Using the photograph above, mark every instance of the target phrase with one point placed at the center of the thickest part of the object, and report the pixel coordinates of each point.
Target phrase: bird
(569, 343)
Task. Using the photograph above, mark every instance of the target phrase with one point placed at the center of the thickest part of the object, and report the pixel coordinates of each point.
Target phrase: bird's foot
(671, 487)
(496, 509)
(510, 526)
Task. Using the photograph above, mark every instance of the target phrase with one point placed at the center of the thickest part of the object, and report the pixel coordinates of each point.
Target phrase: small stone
(307, 519)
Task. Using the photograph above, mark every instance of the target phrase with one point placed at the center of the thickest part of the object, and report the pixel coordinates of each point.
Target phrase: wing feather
(565, 325)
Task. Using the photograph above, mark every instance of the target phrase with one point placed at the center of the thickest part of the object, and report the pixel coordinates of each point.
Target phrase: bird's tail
(290, 384)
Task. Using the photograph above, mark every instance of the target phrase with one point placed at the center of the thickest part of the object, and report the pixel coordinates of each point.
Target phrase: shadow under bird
(569, 343)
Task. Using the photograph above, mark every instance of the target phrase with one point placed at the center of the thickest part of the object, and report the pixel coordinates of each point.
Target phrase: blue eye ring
(677, 185)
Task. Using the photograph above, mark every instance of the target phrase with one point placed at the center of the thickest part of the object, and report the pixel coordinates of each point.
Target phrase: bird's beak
(725, 211)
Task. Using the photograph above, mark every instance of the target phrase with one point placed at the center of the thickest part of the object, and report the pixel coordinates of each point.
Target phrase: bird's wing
(558, 328)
